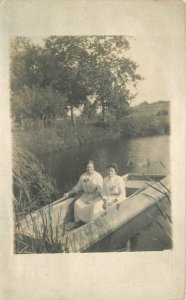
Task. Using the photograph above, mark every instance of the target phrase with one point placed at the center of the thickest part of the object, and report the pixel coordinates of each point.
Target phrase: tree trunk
(103, 111)
(85, 119)
(22, 124)
(118, 129)
(73, 120)
(44, 121)
(85, 112)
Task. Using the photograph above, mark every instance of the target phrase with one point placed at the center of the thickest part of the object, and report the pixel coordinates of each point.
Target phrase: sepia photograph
(92, 151)
(90, 125)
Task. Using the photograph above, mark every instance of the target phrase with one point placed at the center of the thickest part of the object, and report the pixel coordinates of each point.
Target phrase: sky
(153, 55)
(154, 59)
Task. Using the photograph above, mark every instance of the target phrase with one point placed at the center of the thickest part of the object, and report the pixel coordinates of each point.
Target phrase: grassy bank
(63, 135)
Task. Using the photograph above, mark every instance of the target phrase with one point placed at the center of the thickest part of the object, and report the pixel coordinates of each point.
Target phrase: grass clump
(33, 189)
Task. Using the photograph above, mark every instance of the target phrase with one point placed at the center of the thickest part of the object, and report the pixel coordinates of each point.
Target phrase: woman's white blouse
(89, 183)
(113, 186)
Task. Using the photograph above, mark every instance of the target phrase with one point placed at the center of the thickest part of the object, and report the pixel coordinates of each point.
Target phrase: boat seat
(137, 184)
(133, 185)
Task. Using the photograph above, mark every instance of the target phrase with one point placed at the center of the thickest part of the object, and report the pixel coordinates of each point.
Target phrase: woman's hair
(113, 165)
(89, 162)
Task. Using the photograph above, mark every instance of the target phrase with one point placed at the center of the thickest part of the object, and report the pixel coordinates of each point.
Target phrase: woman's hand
(66, 195)
(104, 202)
(104, 206)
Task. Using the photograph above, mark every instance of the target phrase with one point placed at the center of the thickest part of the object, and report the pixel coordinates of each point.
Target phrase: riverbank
(63, 135)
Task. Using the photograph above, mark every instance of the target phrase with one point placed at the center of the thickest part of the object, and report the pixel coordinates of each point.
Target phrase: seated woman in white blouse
(91, 184)
(113, 186)
(113, 190)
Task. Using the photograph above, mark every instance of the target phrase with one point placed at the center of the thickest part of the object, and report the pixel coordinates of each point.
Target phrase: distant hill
(147, 109)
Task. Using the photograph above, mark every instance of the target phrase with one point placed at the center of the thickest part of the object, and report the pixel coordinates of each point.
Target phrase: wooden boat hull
(116, 225)
(125, 236)
(129, 215)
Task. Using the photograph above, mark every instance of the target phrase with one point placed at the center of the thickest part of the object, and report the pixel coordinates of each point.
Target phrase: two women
(97, 193)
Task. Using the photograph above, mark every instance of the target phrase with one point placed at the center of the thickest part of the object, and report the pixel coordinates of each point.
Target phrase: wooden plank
(118, 238)
(136, 176)
(53, 215)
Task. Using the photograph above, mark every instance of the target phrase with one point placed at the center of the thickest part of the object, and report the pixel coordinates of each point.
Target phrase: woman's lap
(87, 208)
(82, 207)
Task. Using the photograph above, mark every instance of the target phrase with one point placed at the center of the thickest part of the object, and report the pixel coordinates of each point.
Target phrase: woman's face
(90, 169)
(111, 172)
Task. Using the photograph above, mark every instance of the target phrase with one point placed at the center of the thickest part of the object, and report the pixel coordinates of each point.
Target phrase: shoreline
(64, 136)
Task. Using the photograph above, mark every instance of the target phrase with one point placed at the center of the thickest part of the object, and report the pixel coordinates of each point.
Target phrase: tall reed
(32, 187)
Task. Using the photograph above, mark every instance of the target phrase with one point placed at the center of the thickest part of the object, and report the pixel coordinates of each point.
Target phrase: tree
(77, 67)
(119, 106)
(69, 68)
(26, 64)
(82, 66)
(41, 105)
(111, 68)
(89, 109)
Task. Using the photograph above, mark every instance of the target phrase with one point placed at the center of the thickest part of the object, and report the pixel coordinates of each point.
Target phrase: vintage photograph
(90, 122)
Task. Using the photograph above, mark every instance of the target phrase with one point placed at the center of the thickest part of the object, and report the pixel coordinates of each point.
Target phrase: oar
(59, 200)
(74, 196)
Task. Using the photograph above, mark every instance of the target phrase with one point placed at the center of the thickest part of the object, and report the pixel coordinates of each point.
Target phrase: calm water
(145, 154)
(67, 167)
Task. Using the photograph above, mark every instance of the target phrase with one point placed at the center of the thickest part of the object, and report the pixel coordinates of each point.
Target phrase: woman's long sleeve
(121, 186)
(100, 184)
(104, 189)
(78, 187)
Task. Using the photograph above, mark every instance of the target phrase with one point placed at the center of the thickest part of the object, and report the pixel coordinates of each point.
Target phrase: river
(146, 155)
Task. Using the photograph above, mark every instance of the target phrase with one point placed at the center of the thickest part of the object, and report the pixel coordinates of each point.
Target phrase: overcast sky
(154, 59)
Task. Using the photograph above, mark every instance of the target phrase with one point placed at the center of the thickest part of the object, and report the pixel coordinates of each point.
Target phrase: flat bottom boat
(116, 225)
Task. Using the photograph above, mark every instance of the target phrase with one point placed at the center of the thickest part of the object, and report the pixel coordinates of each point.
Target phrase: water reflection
(67, 167)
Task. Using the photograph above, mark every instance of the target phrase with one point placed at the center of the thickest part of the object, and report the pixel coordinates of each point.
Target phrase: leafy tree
(26, 64)
(111, 68)
(82, 66)
(76, 67)
(89, 110)
(119, 106)
(69, 68)
(41, 105)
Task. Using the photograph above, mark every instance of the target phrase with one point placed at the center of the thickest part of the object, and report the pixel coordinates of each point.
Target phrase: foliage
(150, 110)
(26, 64)
(63, 136)
(38, 104)
(113, 73)
(28, 245)
(31, 187)
(75, 66)
(119, 105)
(49, 236)
(69, 68)
(89, 110)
